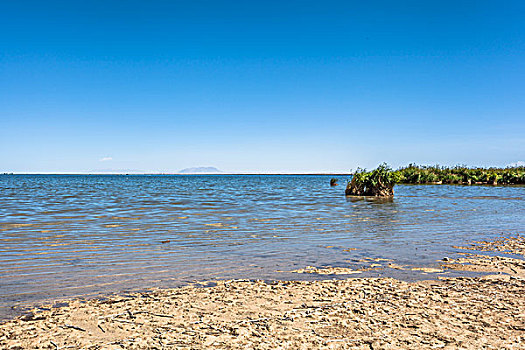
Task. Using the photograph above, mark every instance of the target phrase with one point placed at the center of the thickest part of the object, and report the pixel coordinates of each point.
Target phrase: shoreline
(357, 313)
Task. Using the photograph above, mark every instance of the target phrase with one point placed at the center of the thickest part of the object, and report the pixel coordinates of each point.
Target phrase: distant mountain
(200, 170)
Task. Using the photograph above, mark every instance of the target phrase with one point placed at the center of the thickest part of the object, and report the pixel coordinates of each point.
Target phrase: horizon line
(178, 174)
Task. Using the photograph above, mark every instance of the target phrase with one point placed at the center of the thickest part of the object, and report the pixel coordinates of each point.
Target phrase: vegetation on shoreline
(417, 174)
(380, 181)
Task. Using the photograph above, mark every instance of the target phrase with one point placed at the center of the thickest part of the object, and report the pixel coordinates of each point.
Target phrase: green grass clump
(418, 174)
(378, 182)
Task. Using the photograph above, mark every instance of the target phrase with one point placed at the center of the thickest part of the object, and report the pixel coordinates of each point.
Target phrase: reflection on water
(68, 235)
(381, 200)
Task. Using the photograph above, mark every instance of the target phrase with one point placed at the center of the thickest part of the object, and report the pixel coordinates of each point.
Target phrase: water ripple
(69, 235)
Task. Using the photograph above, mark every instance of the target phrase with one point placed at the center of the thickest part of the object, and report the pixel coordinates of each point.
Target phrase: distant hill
(200, 170)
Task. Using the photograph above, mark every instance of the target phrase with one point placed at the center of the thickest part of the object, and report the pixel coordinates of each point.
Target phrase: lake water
(69, 235)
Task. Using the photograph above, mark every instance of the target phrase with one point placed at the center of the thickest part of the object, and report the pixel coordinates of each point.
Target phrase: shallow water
(71, 235)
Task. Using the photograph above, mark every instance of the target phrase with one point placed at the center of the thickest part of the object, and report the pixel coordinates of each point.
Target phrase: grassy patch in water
(421, 174)
(380, 181)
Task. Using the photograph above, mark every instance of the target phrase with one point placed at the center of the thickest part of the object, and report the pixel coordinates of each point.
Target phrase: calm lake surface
(69, 235)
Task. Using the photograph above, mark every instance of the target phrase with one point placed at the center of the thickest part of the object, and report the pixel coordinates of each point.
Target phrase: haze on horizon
(259, 86)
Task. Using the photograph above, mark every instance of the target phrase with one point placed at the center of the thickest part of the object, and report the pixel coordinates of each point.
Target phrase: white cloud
(105, 159)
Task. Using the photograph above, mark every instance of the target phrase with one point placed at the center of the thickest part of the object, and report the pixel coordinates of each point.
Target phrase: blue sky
(260, 86)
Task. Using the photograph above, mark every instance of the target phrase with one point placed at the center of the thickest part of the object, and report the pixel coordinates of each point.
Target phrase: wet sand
(356, 313)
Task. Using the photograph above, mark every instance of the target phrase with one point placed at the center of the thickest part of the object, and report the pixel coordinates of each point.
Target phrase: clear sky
(260, 86)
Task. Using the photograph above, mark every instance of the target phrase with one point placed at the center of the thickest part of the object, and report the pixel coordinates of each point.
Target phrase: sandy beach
(356, 313)
(262, 175)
